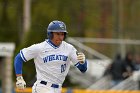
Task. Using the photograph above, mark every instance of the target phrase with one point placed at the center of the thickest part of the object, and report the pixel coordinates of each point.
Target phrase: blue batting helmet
(56, 26)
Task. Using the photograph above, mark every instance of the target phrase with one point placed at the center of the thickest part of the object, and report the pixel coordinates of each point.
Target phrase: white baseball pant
(41, 87)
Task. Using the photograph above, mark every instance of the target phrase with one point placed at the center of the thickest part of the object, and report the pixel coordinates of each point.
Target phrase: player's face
(58, 37)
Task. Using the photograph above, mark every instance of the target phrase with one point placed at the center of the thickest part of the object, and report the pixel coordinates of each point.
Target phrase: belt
(53, 85)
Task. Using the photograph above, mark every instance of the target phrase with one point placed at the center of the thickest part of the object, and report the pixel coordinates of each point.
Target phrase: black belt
(53, 85)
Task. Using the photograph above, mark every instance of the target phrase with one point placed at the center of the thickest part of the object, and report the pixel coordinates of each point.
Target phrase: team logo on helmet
(62, 26)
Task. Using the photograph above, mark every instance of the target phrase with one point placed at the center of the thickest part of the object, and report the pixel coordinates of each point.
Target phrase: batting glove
(20, 84)
(81, 57)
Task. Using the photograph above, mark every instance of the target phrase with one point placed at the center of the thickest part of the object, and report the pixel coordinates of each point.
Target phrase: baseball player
(52, 59)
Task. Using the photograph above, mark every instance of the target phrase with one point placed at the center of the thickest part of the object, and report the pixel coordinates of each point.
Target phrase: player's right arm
(18, 63)
(24, 55)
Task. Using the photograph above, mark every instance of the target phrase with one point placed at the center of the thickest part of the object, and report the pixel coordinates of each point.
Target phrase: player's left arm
(78, 59)
(82, 64)
(82, 67)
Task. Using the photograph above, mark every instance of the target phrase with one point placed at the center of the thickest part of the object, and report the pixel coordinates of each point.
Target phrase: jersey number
(63, 68)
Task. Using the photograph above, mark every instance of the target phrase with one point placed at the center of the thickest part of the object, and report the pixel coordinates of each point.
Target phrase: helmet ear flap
(50, 35)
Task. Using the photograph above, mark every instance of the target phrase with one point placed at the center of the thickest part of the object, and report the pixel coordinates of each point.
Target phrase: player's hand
(20, 84)
(136, 75)
(81, 57)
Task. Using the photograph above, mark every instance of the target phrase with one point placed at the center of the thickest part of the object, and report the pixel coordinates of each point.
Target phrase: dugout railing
(121, 44)
(90, 53)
